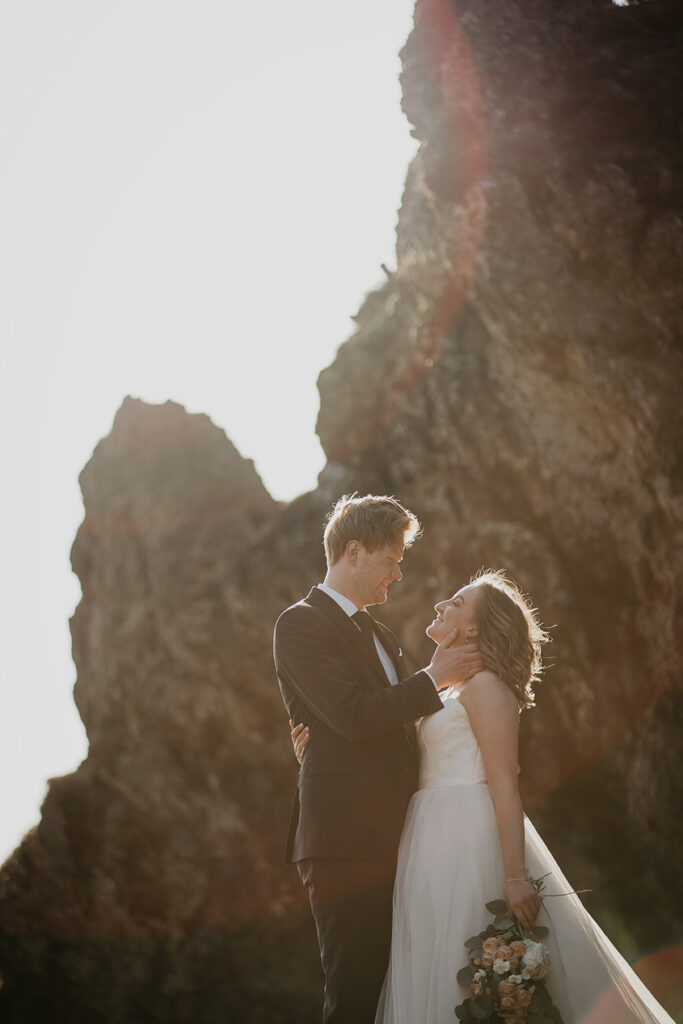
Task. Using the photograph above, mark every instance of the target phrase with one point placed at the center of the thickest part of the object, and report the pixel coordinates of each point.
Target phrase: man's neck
(341, 586)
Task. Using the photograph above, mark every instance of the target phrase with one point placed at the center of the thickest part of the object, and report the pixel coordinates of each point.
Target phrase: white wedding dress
(450, 866)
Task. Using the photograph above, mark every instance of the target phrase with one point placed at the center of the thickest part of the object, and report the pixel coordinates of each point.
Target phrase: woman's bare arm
(494, 717)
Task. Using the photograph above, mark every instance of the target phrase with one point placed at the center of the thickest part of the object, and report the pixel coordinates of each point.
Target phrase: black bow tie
(364, 621)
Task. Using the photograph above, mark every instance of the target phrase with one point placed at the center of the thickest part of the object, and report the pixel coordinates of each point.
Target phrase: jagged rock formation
(143, 892)
(517, 382)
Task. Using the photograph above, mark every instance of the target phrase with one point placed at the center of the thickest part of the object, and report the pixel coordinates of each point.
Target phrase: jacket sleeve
(307, 658)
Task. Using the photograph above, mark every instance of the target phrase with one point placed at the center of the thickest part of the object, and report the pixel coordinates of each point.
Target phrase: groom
(342, 674)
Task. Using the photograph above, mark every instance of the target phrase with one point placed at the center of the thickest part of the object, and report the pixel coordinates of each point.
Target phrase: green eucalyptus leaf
(464, 1013)
(465, 975)
(539, 999)
(474, 942)
(477, 1011)
(497, 907)
(540, 932)
(503, 921)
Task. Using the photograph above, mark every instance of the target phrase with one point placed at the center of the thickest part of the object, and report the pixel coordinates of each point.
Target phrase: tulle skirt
(449, 866)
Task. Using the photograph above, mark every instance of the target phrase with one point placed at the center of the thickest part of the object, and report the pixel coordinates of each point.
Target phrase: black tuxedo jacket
(360, 765)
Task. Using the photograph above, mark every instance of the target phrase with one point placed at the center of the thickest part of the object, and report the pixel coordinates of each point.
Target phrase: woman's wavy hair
(509, 634)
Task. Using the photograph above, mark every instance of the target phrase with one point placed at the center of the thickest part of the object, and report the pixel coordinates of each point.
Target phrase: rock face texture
(144, 886)
(517, 382)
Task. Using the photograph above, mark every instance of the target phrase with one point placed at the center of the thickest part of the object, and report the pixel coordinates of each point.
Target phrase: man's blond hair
(373, 520)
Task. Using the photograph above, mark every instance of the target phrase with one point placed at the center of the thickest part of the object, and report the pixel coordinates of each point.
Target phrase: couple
(425, 821)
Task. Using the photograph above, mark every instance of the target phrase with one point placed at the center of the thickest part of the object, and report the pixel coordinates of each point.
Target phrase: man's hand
(452, 666)
(300, 737)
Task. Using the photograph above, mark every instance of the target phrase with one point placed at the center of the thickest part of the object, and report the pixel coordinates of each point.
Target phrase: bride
(466, 840)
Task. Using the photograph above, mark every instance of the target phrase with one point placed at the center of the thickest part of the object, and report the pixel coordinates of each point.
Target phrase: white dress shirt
(347, 605)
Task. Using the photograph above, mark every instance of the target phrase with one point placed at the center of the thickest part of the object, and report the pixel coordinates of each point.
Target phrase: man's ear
(352, 552)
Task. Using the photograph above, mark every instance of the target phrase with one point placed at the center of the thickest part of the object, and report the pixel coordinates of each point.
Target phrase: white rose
(516, 979)
(479, 975)
(501, 966)
(536, 960)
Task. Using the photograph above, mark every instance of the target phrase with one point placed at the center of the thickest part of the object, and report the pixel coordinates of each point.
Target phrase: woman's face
(458, 612)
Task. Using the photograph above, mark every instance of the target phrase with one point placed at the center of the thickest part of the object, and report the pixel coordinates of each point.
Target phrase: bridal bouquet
(506, 973)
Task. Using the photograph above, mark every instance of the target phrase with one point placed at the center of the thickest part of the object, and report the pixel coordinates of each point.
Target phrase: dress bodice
(449, 752)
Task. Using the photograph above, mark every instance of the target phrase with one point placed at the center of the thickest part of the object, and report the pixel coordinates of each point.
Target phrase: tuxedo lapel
(350, 632)
(390, 644)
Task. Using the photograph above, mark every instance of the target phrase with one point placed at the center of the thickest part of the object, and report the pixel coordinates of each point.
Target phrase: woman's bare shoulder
(488, 688)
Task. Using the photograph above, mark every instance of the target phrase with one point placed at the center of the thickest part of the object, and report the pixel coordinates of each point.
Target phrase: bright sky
(194, 196)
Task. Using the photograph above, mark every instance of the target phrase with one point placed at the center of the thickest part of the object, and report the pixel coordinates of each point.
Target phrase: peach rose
(476, 988)
(506, 988)
(504, 952)
(517, 949)
(507, 1003)
(490, 945)
(523, 996)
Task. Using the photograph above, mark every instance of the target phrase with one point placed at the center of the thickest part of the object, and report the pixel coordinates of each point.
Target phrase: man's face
(375, 571)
